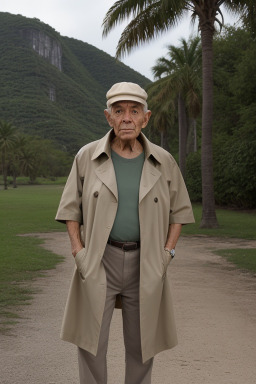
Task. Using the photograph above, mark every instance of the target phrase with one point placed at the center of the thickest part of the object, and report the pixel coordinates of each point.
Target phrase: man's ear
(108, 117)
(146, 119)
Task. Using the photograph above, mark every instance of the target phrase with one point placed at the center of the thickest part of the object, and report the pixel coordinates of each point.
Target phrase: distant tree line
(31, 156)
(234, 128)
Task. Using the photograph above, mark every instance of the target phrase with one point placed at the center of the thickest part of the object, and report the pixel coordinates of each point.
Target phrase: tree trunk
(192, 139)
(162, 139)
(14, 181)
(209, 219)
(182, 135)
(165, 141)
(195, 135)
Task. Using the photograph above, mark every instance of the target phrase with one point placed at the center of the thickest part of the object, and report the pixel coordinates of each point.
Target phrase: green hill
(54, 86)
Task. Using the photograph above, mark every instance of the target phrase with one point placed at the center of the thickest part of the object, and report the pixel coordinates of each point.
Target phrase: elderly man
(124, 205)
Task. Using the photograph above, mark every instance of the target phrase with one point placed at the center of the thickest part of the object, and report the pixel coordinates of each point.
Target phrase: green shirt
(128, 173)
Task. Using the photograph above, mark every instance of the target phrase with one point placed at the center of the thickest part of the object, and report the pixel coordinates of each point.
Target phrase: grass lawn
(234, 224)
(32, 209)
(244, 258)
(23, 180)
(24, 210)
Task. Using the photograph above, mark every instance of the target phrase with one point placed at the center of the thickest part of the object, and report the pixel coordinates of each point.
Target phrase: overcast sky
(82, 19)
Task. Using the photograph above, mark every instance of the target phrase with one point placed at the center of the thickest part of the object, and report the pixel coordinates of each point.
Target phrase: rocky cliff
(44, 45)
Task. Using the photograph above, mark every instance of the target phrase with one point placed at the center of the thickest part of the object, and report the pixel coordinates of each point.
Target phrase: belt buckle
(129, 247)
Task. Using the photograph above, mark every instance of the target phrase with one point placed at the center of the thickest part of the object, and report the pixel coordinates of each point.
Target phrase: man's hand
(73, 228)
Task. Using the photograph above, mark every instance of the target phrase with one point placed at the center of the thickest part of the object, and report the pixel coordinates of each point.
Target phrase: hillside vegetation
(75, 114)
(234, 133)
(234, 123)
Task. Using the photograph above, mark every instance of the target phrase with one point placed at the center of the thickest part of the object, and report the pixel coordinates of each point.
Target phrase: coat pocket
(166, 259)
(80, 261)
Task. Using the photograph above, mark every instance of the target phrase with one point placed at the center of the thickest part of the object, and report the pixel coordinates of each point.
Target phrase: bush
(234, 173)
(235, 177)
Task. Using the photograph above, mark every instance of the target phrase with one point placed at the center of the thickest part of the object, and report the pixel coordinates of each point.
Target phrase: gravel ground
(215, 307)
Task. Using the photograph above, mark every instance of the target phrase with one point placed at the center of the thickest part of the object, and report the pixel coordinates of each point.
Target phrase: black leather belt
(125, 246)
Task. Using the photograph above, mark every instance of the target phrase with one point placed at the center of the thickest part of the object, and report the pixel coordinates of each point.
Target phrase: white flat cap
(126, 91)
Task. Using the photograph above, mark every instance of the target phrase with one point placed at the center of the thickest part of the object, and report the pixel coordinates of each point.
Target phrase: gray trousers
(123, 274)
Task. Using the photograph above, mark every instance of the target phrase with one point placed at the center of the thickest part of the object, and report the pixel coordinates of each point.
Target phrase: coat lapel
(105, 171)
(106, 174)
(149, 177)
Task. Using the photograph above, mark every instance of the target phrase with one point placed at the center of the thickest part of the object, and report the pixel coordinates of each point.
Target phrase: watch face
(172, 252)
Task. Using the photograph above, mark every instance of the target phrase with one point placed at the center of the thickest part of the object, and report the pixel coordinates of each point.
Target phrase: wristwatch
(171, 251)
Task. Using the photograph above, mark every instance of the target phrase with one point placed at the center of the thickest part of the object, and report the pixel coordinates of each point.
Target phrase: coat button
(155, 199)
(96, 194)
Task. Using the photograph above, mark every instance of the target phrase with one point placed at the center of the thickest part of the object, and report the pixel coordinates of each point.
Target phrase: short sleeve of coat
(70, 207)
(180, 205)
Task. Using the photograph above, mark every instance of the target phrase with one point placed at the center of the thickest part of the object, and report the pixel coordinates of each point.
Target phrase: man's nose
(126, 117)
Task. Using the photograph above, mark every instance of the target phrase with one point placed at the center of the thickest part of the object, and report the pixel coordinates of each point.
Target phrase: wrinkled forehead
(127, 104)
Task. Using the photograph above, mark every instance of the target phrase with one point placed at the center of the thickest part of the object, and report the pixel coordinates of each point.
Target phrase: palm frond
(121, 10)
(193, 102)
(163, 67)
(176, 54)
(232, 6)
(148, 24)
(163, 90)
(247, 11)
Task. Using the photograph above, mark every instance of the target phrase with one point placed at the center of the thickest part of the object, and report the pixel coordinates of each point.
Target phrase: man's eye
(135, 112)
(118, 111)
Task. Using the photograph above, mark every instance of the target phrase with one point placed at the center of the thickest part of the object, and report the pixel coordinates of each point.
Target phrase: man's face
(127, 118)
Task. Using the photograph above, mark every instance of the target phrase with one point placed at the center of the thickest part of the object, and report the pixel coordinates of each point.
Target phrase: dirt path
(215, 309)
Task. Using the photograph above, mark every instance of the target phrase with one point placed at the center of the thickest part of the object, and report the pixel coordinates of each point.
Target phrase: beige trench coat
(91, 198)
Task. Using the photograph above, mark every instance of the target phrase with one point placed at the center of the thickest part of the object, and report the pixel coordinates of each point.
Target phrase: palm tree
(7, 142)
(162, 116)
(181, 83)
(152, 17)
(29, 162)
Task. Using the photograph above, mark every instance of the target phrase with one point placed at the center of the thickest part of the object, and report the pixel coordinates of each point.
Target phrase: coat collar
(104, 147)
